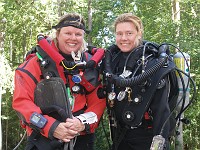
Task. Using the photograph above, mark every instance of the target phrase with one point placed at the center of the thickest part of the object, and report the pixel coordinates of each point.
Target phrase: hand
(65, 132)
(77, 124)
(114, 79)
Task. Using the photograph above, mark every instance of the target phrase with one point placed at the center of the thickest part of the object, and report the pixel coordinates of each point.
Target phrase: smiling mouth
(71, 45)
(124, 44)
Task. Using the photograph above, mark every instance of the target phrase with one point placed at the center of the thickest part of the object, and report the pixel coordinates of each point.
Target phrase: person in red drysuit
(54, 134)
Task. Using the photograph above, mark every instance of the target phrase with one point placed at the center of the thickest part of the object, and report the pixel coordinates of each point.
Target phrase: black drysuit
(155, 90)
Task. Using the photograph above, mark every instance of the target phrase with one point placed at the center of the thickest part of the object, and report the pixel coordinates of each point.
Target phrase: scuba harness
(155, 64)
(79, 65)
(132, 91)
(144, 89)
(53, 94)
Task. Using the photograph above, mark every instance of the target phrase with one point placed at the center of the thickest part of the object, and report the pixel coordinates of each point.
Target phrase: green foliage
(12, 131)
(189, 40)
(191, 131)
(6, 75)
(103, 140)
(24, 20)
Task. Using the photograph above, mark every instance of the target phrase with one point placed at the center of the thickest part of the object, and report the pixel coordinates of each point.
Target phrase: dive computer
(38, 120)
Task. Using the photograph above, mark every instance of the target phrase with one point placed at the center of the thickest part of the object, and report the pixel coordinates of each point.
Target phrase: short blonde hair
(129, 17)
(71, 19)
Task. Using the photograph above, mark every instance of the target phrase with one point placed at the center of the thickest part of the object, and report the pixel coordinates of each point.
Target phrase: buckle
(135, 127)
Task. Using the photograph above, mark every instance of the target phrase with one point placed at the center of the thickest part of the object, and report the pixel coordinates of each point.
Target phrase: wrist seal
(87, 118)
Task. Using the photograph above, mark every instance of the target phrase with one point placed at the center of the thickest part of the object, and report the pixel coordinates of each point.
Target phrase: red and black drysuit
(28, 74)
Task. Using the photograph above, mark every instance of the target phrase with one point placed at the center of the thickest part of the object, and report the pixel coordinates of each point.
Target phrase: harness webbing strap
(118, 140)
(43, 43)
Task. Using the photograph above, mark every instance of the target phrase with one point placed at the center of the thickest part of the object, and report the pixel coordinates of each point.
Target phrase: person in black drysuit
(138, 111)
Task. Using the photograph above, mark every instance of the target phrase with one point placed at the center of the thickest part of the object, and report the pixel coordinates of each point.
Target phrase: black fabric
(68, 57)
(146, 93)
(90, 64)
(39, 142)
(51, 93)
(160, 110)
(154, 99)
(49, 67)
(101, 93)
(85, 142)
(54, 111)
(173, 99)
(52, 129)
(81, 111)
(158, 106)
(138, 139)
(75, 21)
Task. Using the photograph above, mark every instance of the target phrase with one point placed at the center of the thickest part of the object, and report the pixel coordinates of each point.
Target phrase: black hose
(193, 95)
(142, 77)
(119, 81)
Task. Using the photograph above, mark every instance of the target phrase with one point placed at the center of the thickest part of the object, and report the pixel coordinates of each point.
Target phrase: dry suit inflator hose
(122, 82)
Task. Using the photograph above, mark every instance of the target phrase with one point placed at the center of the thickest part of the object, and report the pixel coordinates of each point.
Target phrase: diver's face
(70, 39)
(127, 36)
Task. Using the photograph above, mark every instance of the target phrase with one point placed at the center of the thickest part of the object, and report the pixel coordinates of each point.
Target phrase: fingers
(77, 124)
(65, 140)
(69, 120)
(64, 132)
(72, 132)
(68, 124)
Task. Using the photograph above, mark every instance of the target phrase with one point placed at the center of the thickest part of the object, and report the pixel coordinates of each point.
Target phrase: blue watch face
(35, 119)
(38, 120)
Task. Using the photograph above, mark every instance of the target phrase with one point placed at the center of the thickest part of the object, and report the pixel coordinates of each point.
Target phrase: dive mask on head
(71, 21)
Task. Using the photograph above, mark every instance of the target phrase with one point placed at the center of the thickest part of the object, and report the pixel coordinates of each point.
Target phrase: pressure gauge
(76, 88)
(121, 95)
(111, 95)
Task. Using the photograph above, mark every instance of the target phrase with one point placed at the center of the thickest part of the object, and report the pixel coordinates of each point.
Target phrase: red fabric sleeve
(23, 98)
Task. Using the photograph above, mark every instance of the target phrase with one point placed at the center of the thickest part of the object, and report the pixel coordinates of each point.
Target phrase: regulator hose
(122, 82)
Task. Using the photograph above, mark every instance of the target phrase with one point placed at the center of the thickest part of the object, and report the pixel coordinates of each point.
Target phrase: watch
(38, 120)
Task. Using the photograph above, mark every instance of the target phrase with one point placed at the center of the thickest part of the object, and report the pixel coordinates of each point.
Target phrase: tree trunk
(176, 18)
(0, 118)
(89, 21)
(59, 7)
